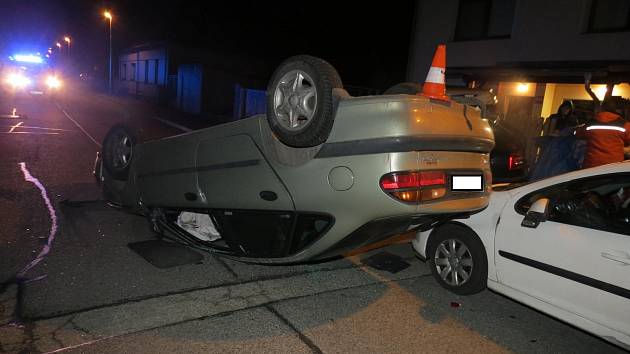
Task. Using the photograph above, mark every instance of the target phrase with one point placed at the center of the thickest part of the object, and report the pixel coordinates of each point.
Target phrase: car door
(233, 174)
(253, 208)
(577, 260)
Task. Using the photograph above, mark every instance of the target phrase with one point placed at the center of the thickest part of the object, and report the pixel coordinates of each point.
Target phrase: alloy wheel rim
(453, 262)
(123, 150)
(295, 100)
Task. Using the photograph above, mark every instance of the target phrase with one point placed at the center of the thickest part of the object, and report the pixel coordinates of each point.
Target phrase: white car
(560, 245)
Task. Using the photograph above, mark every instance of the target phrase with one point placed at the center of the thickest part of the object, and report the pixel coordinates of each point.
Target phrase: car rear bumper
(382, 229)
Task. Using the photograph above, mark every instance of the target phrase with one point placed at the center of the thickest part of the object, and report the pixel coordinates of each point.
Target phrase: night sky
(367, 44)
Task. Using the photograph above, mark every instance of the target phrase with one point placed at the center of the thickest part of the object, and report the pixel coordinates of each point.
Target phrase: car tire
(117, 151)
(404, 88)
(469, 259)
(300, 105)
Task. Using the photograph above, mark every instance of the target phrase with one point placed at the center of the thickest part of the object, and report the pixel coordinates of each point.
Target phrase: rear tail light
(515, 161)
(415, 186)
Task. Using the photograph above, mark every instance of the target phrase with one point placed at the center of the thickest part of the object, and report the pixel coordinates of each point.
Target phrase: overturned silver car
(320, 174)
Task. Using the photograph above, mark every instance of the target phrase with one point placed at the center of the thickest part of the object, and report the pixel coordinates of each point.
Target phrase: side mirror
(536, 214)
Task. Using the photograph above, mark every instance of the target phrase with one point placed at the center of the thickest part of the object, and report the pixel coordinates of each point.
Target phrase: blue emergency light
(27, 58)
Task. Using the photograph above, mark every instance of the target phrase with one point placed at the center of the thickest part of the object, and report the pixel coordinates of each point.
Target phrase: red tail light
(399, 180)
(415, 186)
(515, 161)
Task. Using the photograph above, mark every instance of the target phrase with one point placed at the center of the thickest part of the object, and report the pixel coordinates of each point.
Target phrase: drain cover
(163, 254)
(387, 262)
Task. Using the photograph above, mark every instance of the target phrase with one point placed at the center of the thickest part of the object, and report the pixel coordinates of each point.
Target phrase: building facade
(197, 81)
(533, 53)
(143, 71)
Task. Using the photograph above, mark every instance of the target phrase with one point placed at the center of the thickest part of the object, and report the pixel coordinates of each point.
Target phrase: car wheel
(300, 107)
(118, 149)
(404, 88)
(457, 259)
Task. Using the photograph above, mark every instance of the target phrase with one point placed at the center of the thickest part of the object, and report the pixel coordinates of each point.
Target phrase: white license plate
(467, 183)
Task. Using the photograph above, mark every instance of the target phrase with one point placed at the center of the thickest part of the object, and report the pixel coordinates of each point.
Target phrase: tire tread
(319, 129)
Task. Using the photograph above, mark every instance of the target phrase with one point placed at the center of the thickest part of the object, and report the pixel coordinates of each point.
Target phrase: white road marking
(15, 126)
(174, 125)
(34, 133)
(78, 125)
(42, 128)
(53, 220)
(75, 346)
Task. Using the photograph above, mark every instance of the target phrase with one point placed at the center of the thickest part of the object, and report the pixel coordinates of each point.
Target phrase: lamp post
(67, 40)
(108, 15)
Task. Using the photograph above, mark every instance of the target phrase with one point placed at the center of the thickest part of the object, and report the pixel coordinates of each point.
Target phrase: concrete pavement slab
(160, 311)
(248, 331)
(378, 318)
(147, 314)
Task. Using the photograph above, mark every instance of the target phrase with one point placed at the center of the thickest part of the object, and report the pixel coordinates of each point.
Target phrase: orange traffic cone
(434, 86)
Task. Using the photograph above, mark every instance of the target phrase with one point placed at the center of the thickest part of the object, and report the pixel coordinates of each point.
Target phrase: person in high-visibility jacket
(606, 135)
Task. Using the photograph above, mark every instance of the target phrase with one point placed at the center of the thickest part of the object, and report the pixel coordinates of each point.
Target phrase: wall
(149, 80)
(542, 31)
(189, 84)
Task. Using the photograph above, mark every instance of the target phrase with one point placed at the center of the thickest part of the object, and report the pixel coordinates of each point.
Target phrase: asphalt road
(88, 292)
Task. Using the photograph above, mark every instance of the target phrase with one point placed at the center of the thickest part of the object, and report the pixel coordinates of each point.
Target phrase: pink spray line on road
(53, 221)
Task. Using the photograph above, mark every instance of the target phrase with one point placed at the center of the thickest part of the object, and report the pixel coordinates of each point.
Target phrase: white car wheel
(457, 259)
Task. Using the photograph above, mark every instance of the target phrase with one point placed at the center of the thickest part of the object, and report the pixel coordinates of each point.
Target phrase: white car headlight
(53, 82)
(18, 80)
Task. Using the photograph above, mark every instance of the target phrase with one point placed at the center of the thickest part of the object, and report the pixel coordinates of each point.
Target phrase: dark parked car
(507, 159)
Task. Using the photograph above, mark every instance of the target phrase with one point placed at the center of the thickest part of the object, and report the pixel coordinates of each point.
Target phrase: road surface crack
(306, 340)
(76, 327)
(28, 343)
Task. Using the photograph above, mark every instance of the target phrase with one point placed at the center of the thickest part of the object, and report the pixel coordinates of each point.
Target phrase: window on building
(132, 75)
(123, 72)
(609, 16)
(146, 71)
(156, 69)
(484, 19)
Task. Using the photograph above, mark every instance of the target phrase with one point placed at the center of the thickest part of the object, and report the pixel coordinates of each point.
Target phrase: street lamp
(108, 15)
(67, 40)
(58, 45)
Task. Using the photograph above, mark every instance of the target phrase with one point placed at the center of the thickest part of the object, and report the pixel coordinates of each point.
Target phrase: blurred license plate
(467, 183)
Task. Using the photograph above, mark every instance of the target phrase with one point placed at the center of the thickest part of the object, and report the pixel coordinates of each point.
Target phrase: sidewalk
(352, 310)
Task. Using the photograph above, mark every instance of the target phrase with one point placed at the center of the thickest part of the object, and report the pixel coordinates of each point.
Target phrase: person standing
(557, 144)
(606, 135)
(558, 122)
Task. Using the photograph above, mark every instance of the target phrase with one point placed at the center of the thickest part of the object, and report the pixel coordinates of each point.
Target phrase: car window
(601, 202)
